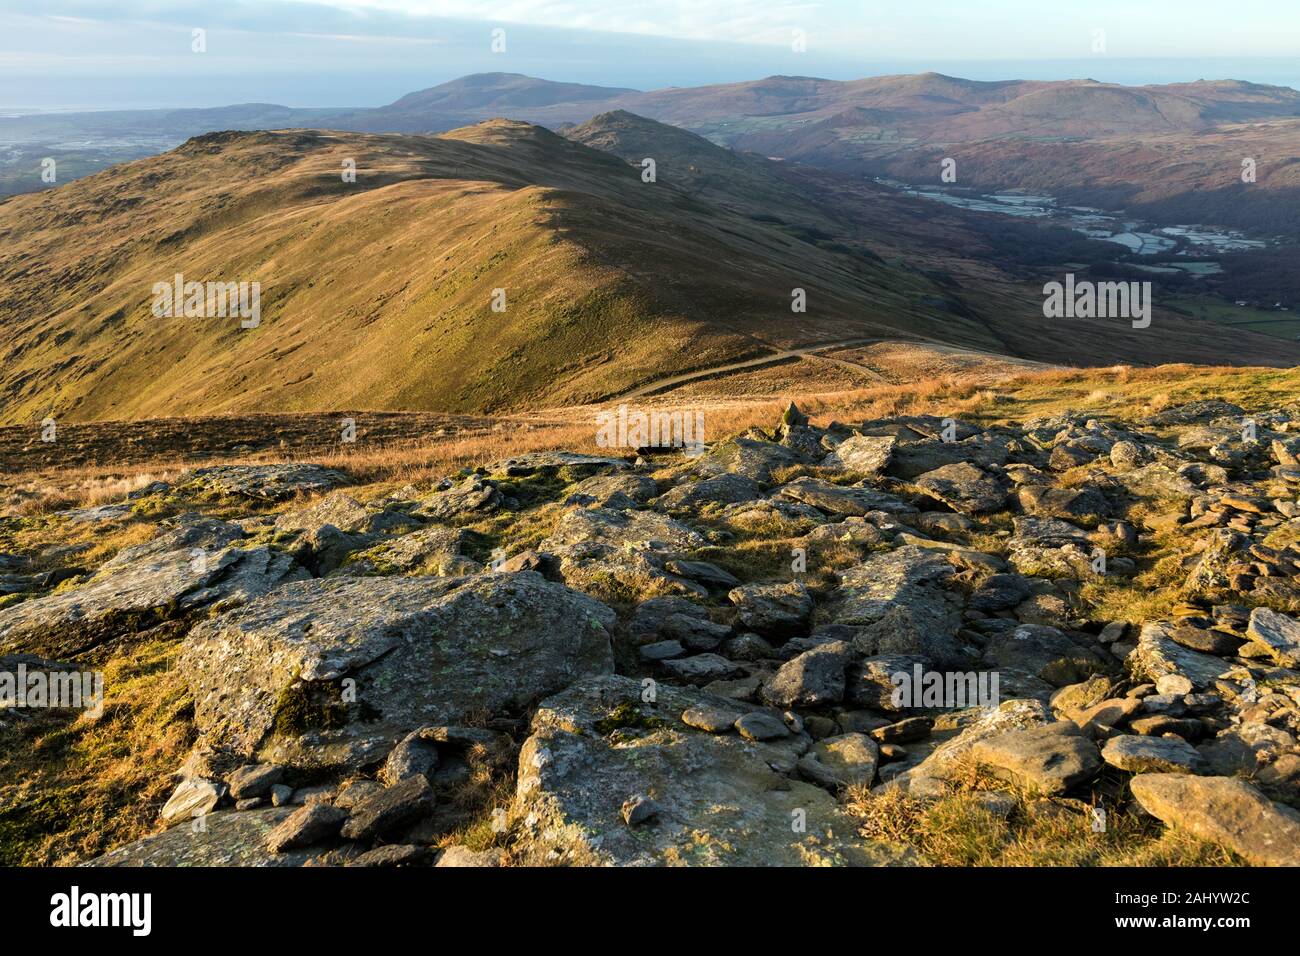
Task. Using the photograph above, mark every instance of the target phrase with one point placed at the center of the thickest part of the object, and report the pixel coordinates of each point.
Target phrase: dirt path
(782, 355)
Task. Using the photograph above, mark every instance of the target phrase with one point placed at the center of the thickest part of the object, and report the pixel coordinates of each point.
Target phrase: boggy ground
(564, 658)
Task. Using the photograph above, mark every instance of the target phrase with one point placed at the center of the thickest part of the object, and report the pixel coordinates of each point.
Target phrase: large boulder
(902, 602)
(867, 455)
(717, 796)
(964, 487)
(195, 566)
(227, 838)
(843, 499)
(334, 672)
(1222, 810)
(775, 609)
(751, 457)
(1049, 759)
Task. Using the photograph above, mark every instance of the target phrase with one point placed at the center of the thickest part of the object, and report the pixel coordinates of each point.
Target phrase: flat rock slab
(1158, 654)
(902, 602)
(1151, 754)
(843, 499)
(719, 800)
(964, 487)
(228, 838)
(264, 482)
(198, 565)
(1049, 759)
(584, 528)
(1222, 810)
(544, 461)
(333, 672)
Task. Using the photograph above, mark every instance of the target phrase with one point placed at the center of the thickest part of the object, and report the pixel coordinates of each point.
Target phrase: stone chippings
(658, 700)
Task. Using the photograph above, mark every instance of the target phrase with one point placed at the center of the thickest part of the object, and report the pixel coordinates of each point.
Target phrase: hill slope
(378, 294)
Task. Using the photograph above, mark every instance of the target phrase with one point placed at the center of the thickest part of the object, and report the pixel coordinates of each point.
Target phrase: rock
(720, 801)
(748, 457)
(725, 489)
(281, 795)
(1151, 754)
(401, 854)
(1278, 633)
(413, 756)
(432, 550)
(1157, 654)
(813, 679)
(843, 500)
(843, 761)
(704, 572)
(660, 650)
(905, 731)
(197, 565)
(226, 838)
(1047, 501)
(1206, 640)
(307, 826)
(1202, 410)
(457, 855)
(638, 810)
(712, 719)
(390, 809)
(866, 455)
(550, 462)
(901, 602)
(761, 725)
(951, 756)
(1050, 759)
(613, 491)
(266, 677)
(700, 669)
(194, 797)
(1222, 810)
(264, 482)
(1175, 684)
(774, 610)
(254, 780)
(999, 592)
(1045, 652)
(964, 488)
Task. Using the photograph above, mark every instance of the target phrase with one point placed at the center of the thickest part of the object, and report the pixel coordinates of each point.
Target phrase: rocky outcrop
(334, 672)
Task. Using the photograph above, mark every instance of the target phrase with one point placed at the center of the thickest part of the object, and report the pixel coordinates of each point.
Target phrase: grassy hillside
(377, 294)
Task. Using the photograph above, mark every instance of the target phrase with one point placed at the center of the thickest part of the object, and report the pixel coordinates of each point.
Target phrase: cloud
(734, 21)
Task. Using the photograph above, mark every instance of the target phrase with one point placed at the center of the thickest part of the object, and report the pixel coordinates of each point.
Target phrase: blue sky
(134, 53)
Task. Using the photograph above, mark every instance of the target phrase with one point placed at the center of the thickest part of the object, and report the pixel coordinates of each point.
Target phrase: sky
(119, 54)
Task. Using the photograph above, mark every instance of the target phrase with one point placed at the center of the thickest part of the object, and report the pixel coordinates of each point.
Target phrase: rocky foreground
(717, 658)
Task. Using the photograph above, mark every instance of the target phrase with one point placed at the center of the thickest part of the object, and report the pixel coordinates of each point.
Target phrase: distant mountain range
(1170, 152)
